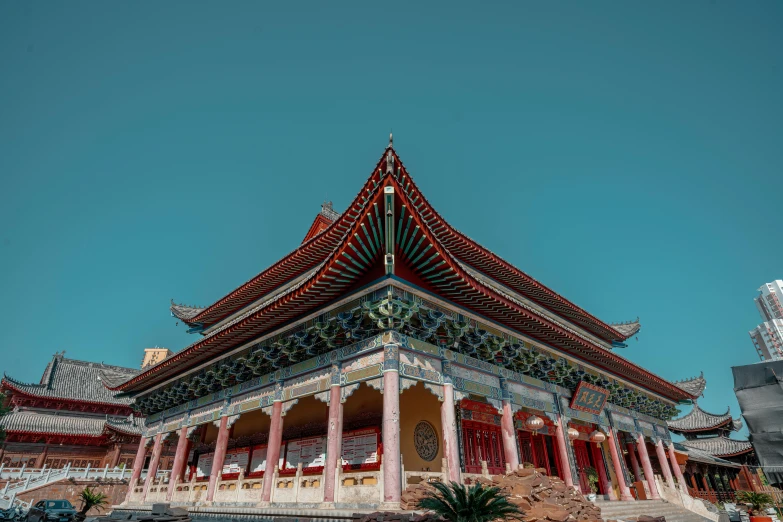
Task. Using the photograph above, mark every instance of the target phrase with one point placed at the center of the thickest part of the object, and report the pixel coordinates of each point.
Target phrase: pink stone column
(563, 452)
(333, 442)
(677, 470)
(648, 472)
(507, 429)
(625, 493)
(667, 474)
(179, 458)
(157, 449)
(637, 473)
(448, 423)
(138, 463)
(392, 481)
(219, 458)
(273, 449)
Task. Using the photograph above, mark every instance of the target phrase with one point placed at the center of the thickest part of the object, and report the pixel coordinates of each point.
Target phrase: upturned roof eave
(669, 390)
(602, 329)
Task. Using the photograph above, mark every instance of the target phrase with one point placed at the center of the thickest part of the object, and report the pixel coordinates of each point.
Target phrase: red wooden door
(582, 461)
(482, 442)
(534, 450)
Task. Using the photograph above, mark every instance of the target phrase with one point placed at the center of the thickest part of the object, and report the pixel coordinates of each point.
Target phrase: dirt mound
(540, 497)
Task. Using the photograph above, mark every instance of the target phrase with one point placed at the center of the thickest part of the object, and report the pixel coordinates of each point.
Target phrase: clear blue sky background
(628, 155)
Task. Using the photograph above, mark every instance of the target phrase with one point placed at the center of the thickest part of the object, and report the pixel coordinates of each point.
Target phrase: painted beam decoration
(589, 398)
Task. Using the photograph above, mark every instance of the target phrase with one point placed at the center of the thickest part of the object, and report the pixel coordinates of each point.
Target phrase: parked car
(51, 511)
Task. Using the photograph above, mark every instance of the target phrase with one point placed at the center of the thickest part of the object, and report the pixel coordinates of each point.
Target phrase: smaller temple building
(716, 463)
(69, 417)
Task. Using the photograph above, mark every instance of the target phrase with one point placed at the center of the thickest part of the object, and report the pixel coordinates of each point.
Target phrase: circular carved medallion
(425, 438)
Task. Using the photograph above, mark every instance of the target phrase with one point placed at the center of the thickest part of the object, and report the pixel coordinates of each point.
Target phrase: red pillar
(563, 452)
(667, 473)
(219, 458)
(138, 463)
(115, 458)
(509, 441)
(157, 449)
(603, 476)
(180, 457)
(637, 473)
(625, 493)
(333, 442)
(39, 462)
(448, 424)
(273, 449)
(392, 481)
(648, 472)
(676, 468)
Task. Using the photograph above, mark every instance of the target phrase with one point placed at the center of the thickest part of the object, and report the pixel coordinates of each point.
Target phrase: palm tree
(457, 503)
(757, 501)
(90, 499)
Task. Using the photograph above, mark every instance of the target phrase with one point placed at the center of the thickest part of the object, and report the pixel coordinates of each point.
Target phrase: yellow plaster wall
(364, 400)
(212, 433)
(306, 411)
(418, 404)
(251, 423)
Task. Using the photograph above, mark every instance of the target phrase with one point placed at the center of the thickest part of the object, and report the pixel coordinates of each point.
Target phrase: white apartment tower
(768, 336)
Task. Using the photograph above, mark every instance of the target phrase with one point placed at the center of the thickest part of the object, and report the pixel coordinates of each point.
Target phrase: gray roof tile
(695, 386)
(77, 380)
(698, 419)
(719, 446)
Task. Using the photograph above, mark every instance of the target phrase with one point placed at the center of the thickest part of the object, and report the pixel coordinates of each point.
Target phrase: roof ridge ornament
(391, 141)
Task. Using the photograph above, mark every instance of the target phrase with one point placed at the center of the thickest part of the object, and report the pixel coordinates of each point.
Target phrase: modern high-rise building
(768, 336)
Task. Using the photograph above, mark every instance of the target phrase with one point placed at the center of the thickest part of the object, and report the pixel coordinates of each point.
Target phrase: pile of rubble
(538, 496)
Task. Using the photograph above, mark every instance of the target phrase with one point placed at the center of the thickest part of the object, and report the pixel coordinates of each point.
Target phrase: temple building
(389, 348)
(69, 417)
(715, 461)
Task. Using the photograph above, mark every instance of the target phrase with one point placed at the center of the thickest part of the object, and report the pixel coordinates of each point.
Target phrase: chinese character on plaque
(589, 398)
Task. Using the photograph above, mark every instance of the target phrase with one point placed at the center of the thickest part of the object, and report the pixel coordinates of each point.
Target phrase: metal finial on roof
(391, 141)
(389, 162)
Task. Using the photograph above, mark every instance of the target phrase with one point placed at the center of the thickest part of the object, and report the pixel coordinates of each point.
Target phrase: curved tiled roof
(77, 381)
(695, 386)
(129, 426)
(184, 312)
(719, 446)
(31, 422)
(627, 329)
(699, 420)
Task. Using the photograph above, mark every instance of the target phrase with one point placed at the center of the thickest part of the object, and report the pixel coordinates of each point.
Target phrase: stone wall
(71, 489)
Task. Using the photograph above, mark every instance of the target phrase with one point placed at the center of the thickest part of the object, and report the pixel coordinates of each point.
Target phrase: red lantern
(597, 437)
(534, 423)
(573, 434)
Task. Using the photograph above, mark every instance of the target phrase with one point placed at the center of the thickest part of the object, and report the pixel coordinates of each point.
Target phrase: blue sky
(628, 155)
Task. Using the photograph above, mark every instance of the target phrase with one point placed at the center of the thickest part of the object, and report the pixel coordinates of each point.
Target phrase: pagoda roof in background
(719, 446)
(48, 423)
(695, 385)
(698, 455)
(699, 420)
(77, 381)
(314, 275)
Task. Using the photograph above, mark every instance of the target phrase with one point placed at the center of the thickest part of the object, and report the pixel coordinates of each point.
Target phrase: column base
(626, 498)
(263, 504)
(390, 506)
(327, 505)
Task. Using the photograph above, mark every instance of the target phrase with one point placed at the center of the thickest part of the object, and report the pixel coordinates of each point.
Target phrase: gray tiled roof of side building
(77, 380)
(719, 446)
(695, 386)
(698, 419)
(68, 423)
